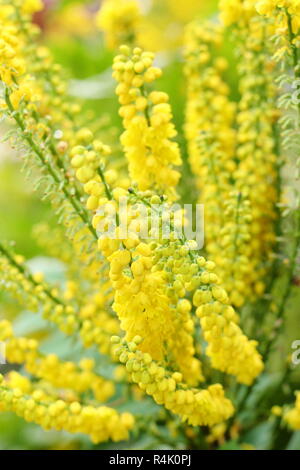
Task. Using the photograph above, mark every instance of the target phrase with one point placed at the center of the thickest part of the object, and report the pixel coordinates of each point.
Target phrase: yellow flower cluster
(100, 423)
(49, 368)
(234, 241)
(12, 65)
(151, 289)
(135, 272)
(267, 7)
(35, 291)
(208, 106)
(137, 269)
(233, 11)
(284, 15)
(229, 349)
(292, 417)
(233, 148)
(170, 325)
(98, 323)
(120, 21)
(147, 140)
(29, 6)
(257, 172)
(197, 407)
(209, 124)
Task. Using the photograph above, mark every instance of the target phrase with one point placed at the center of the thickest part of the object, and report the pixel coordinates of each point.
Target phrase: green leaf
(261, 436)
(265, 387)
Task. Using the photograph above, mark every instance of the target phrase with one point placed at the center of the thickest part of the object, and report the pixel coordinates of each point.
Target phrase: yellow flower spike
(256, 142)
(147, 140)
(48, 367)
(100, 423)
(196, 407)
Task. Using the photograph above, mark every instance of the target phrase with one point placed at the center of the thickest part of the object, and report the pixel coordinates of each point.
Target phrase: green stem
(107, 190)
(28, 275)
(61, 183)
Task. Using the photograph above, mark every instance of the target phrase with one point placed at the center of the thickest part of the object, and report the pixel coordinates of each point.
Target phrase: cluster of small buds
(140, 301)
(147, 143)
(226, 159)
(216, 175)
(196, 407)
(133, 277)
(229, 349)
(208, 105)
(12, 43)
(87, 157)
(237, 11)
(98, 325)
(257, 171)
(35, 291)
(235, 239)
(12, 65)
(218, 318)
(100, 423)
(51, 369)
(54, 95)
(209, 128)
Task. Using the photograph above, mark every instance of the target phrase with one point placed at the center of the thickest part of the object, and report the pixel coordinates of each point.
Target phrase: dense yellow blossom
(23, 285)
(22, 350)
(170, 326)
(100, 423)
(211, 136)
(234, 240)
(147, 140)
(197, 407)
(233, 11)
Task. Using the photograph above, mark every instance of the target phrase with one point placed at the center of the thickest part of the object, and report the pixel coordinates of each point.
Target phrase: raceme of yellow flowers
(147, 118)
(292, 417)
(153, 304)
(225, 146)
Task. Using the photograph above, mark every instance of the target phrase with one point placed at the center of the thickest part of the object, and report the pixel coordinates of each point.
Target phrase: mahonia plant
(178, 324)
